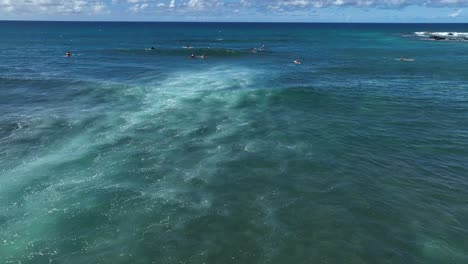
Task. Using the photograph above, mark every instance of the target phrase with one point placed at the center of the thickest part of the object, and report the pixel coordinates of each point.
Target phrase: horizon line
(233, 22)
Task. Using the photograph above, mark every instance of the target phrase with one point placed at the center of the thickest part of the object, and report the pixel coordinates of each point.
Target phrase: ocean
(131, 152)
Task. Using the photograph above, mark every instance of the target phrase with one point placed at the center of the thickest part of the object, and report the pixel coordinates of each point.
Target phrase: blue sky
(238, 10)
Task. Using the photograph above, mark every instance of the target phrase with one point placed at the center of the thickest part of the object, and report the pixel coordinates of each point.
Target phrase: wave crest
(184, 51)
(448, 36)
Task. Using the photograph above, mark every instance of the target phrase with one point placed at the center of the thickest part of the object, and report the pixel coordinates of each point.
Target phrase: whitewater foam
(450, 36)
(182, 147)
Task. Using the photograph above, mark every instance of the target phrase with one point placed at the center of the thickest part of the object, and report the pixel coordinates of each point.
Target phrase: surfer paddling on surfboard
(406, 59)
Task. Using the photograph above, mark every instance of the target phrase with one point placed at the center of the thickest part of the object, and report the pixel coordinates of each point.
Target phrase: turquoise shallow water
(121, 154)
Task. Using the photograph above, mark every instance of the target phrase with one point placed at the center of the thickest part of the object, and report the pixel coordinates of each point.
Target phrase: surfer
(297, 61)
(192, 56)
(68, 54)
(406, 59)
(152, 48)
(255, 50)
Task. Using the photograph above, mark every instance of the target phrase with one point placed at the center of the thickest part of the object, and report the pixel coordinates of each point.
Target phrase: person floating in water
(203, 56)
(297, 61)
(406, 59)
(255, 50)
(68, 54)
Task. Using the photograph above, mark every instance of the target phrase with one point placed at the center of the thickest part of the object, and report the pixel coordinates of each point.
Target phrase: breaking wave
(447, 36)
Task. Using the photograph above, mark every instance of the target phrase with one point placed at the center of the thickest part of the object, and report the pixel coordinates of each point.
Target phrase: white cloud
(139, 7)
(456, 13)
(98, 7)
(298, 4)
(52, 6)
(172, 4)
(202, 4)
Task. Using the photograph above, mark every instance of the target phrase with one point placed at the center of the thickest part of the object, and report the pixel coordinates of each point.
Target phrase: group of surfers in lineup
(253, 50)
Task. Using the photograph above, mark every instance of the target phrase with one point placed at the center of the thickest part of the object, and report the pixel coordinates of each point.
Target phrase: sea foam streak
(171, 136)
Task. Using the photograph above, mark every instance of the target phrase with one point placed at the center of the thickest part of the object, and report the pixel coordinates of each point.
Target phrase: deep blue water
(123, 154)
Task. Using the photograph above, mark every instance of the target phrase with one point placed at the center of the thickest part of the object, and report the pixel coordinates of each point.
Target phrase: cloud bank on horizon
(210, 8)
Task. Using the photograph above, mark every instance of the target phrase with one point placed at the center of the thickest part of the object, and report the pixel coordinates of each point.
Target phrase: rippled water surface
(127, 154)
